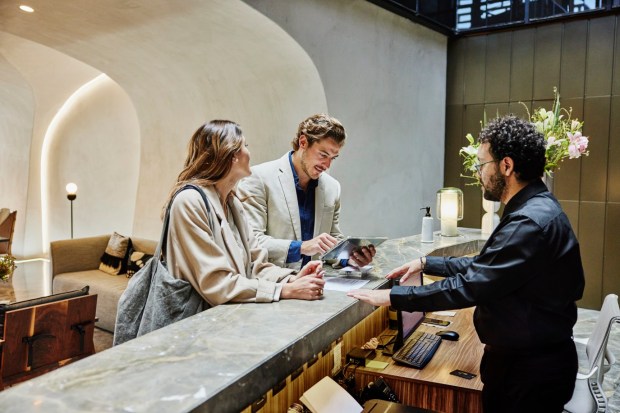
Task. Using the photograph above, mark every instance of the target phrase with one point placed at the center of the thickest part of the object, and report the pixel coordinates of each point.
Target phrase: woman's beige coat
(211, 258)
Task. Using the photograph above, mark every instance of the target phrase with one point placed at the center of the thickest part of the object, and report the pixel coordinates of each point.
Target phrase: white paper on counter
(343, 284)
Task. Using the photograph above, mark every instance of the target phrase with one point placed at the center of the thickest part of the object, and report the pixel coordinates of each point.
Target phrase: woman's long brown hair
(210, 153)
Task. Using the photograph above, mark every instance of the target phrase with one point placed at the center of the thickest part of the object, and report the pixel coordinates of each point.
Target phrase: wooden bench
(45, 333)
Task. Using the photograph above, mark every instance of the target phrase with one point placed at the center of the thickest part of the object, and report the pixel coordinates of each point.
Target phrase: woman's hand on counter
(373, 297)
(305, 287)
(405, 271)
(311, 268)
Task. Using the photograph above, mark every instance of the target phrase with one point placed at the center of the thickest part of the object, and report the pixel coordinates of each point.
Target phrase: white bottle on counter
(427, 226)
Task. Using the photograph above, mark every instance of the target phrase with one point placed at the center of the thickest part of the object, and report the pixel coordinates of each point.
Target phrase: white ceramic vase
(490, 219)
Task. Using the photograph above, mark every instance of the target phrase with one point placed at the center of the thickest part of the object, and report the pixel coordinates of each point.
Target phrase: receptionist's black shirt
(524, 282)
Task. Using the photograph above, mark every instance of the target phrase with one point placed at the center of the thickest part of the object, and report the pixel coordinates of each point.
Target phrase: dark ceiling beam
(411, 14)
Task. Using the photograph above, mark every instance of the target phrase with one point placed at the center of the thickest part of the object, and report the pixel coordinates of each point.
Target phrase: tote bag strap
(164, 232)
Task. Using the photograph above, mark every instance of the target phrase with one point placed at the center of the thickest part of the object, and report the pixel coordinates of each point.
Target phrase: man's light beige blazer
(211, 259)
(270, 201)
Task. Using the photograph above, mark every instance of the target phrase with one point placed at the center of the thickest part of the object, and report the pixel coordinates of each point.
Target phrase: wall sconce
(449, 210)
(71, 195)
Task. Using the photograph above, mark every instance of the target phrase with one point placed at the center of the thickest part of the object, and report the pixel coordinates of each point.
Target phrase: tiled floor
(102, 339)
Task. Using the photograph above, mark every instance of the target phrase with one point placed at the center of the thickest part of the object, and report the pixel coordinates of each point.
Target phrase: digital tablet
(344, 248)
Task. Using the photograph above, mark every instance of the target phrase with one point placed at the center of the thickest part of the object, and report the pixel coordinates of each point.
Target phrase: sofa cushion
(114, 259)
(108, 289)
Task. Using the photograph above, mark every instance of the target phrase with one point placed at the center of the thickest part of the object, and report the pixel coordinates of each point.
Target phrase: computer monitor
(407, 321)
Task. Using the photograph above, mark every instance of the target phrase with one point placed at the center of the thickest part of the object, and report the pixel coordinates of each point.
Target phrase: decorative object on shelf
(490, 219)
(71, 195)
(7, 266)
(449, 210)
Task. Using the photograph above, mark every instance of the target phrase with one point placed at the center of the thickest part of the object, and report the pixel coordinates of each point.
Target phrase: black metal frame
(414, 10)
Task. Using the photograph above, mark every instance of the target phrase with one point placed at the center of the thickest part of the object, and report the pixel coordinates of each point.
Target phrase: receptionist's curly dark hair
(518, 139)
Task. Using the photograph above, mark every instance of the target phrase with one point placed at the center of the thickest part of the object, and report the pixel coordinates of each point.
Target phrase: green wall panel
(599, 64)
(573, 63)
(522, 65)
(547, 53)
(497, 80)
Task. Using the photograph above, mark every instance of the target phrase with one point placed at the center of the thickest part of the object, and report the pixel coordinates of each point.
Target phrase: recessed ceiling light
(25, 8)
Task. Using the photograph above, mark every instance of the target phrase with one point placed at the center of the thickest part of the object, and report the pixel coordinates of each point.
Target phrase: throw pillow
(137, 259)
(114, 259)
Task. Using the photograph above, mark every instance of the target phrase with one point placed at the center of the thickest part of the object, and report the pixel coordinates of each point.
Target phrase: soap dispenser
(427, 226)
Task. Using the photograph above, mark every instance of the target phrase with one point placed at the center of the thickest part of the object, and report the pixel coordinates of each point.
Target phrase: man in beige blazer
(292, 205)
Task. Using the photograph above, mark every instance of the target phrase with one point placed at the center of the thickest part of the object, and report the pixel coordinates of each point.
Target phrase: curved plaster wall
(17, 108)
(180, 64)
(50, 79)
(385, 79)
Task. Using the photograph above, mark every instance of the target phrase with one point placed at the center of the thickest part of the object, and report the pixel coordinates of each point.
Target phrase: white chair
(588, 396)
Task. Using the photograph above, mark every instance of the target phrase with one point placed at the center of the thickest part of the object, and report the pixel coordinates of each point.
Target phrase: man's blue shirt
(305, 202)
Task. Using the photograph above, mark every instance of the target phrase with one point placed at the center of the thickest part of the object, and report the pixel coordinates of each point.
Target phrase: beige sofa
(75, 263)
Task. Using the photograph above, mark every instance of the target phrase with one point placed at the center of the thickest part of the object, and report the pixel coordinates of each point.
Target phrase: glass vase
(548, 180)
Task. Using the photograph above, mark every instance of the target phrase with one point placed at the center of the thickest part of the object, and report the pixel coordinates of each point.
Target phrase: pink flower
(579, 141)
(578, 144)
(573, 151)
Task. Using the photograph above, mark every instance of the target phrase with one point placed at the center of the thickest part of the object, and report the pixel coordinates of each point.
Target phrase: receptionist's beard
(495, 188)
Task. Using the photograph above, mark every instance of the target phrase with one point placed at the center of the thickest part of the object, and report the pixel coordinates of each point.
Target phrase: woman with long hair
(214, 249)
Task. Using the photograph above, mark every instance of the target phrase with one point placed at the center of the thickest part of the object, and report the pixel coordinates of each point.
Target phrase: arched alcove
(93, 141)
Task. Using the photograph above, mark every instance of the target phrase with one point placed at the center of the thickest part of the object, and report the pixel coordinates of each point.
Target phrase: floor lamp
(71, 195)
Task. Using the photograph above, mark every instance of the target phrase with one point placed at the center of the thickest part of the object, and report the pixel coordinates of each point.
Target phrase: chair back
(45, 333)
(7, 227)
(597, 343)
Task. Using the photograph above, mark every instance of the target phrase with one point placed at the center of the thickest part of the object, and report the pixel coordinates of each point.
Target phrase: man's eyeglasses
(479, 166)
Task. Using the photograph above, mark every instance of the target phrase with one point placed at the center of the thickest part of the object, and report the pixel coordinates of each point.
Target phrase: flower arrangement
(7, 266)
(562, 134)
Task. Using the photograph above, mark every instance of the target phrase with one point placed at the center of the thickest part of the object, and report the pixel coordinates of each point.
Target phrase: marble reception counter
(223, 359)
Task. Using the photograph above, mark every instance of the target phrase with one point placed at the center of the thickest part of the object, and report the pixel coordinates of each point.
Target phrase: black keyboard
(418, 350)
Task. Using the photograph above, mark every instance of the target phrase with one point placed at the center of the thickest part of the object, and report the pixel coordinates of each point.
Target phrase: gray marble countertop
(222, 359)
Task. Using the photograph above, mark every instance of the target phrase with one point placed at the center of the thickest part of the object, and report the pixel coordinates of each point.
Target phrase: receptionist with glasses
(524, 283)
(479, 166)
(293, 205)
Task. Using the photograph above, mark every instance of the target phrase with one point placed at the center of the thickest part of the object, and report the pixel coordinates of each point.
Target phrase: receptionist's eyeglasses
(479, 166)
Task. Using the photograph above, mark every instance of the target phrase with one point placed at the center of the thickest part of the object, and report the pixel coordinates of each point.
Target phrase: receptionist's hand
(318, 245)
(373, 297)
(405, 271)
(362, 257)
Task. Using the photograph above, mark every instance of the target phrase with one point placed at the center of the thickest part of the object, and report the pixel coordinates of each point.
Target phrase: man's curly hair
(519, 140)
